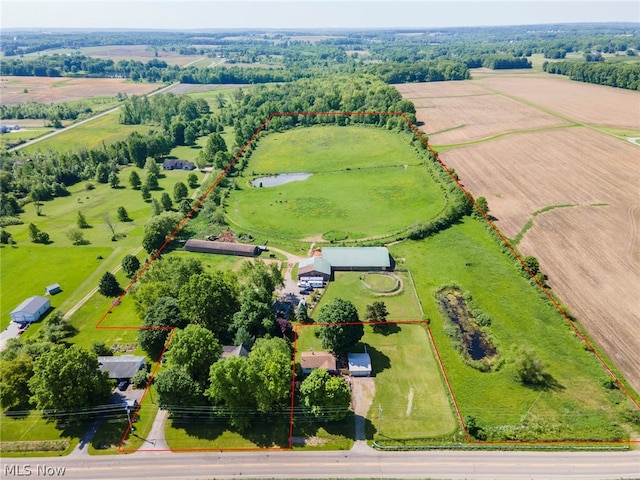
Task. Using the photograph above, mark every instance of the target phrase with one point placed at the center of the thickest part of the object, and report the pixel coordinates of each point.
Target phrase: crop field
(63, 89)
(378, 172)
(589, 251)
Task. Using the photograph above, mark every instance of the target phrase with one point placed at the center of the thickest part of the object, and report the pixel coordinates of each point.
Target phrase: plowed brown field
(63, 89)
(590, 252)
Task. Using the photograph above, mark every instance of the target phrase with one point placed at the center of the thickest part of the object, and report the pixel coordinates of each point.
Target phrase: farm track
(529, 161)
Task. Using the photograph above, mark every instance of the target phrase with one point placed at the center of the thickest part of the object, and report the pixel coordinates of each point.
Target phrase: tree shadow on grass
(386, 328)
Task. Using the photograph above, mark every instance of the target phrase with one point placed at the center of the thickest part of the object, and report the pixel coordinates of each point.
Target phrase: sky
(300, 14)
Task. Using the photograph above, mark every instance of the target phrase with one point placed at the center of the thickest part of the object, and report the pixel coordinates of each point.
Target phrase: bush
(140, 379)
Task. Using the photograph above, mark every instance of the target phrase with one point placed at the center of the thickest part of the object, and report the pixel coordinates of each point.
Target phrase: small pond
(281, 179)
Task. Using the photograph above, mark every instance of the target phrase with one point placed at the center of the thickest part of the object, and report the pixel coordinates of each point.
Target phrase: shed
(309, 361)
(234, 351)
(359, 364)
(314, 267)
(222, 248)
(357, 258)
(121, 367)
(30, 310)
(52, 289)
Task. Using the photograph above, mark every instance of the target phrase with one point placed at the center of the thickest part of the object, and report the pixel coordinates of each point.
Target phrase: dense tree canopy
(65, 379)
(343, 329)
(326, 397)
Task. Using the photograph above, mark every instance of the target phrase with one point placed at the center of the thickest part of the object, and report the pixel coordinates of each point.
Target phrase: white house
(30, 310)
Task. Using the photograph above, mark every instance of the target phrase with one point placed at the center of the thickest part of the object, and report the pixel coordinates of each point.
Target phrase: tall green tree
(81, 220)
(68, 379)
(231, 385)
(130, 265)
(167, 203)
(327, 397)
(176, 389)
(270, 362)
(160, 318)
(194, 350)
(134, 180)
(343, 329)
(157, 228)
(14, 381)
(210, 300)
(180, 192)
(108, 285)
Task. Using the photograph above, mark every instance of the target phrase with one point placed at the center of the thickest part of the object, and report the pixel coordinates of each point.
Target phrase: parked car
(122, 386)
(23, 327)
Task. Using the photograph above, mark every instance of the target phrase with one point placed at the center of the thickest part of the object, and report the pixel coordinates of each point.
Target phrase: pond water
(281, 179)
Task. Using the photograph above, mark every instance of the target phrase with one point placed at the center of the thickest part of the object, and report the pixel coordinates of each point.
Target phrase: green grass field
(76, 268)
(378, 172)
(93, 134)
(576, 406)
(408, 385)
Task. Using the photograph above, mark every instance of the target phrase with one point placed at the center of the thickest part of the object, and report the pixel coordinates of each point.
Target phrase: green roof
(357, 257)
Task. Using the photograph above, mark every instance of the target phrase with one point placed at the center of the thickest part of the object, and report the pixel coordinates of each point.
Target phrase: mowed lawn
(365, 182)
(93, 134)
(76, 268)
(408, 384)
(576, 406)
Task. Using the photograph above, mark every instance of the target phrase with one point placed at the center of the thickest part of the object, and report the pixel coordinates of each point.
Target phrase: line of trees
(613, 74)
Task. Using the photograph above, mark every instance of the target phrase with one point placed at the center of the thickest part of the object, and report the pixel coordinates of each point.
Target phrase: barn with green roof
(333, 259)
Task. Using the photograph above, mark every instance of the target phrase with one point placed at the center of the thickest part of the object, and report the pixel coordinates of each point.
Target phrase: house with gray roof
(30, 310)
(121, 367)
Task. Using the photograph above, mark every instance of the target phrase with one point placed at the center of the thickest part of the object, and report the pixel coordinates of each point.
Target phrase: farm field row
(589, 251)
(64, 89)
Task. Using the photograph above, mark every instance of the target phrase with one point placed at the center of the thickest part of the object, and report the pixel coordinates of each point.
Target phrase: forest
(267, 57)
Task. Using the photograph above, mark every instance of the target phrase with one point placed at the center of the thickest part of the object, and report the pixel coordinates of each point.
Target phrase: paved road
(435, 464)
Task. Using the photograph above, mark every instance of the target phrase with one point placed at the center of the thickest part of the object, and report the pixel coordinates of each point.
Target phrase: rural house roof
(121, 366)
(225, 248)
(32, 305)
(313, 360)
(314, 264)
(53, 288)
(174, 163)
(234, 351)
(357, 257)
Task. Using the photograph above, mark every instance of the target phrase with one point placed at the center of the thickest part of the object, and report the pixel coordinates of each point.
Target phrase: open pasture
(356, 171)
(574, 405)
(65, 89)
(399, 197)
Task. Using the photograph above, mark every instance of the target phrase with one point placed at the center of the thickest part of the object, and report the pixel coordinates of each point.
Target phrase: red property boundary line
(197, 205)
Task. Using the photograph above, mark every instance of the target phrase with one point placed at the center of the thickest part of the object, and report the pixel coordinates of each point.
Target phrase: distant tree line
(614, 74)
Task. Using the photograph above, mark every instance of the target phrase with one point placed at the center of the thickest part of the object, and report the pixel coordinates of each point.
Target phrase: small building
(234, 351)
(177, 164)
(309, 361)
(222, 248)
(121, 367)
(52, 289)
(314, 268)
(359, 364)
(30, 310)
